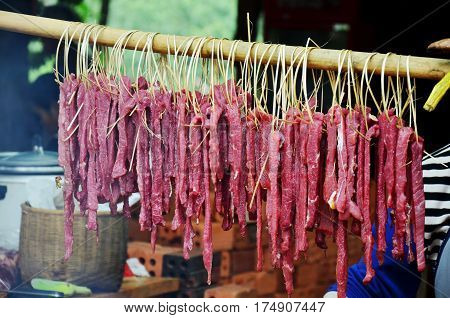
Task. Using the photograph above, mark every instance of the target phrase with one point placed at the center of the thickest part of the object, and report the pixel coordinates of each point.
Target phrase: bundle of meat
(312, 169)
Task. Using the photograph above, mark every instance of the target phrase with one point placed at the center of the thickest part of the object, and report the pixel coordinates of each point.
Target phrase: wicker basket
(97, 266)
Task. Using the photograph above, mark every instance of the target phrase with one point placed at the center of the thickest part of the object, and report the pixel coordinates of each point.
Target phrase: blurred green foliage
(182, 17)
(215, 18)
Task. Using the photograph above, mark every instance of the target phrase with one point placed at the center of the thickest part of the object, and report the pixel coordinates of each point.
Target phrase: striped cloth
(436, 174)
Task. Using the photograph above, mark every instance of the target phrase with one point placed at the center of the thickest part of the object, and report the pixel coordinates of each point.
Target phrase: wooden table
(143, 287)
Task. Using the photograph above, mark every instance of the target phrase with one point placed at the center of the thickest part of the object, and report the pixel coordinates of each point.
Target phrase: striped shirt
(436, 177)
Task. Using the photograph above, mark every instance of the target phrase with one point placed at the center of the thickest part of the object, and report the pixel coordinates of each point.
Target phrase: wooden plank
(144, 287)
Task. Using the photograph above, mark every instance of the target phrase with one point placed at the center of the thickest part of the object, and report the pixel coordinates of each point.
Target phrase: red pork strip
(242, 207)
(179, 213)
(325, 217)
(235, 155)
(195, 162)
(214, 148)
(287, 182)
(381, 210)
(330, 181)
(287, 199)
(188, 236)
(223, 146)
(131, 177)
(168, 147)
(157, 108)
(266, 127)
(259, 225)
(66, 91)
(341, 195)
(182, 150)
(142, 99)
(313, 162)
(356, 224)
(409, 209)
(83, 102)
(389, 171)
(250, 163)
(301, 241)
(227, 221)
(92, 146)
(288, 270)
(223, 160)
(273, 200)
(352, 121)
(418, 200)
(207, 233)
(366, 232)
(125, 103)
(404, 137)
(102, 117)
(111, 148)
(342, 259)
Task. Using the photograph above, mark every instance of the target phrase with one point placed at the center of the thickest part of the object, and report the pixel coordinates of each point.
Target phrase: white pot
(28, 176)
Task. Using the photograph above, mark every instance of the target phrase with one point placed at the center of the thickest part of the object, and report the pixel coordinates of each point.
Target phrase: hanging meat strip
(207, 232)
(235, 156)
(168, 128)
(114, 185)
(325, 217)
(273, 195)
(259, 225)
(92, 146)
(143, 101)
(250, 164)
(182, 149)
(103, 104)
(418, 200)
(341, 195)
(287, 199)
(287, 182)
(313, 161)
(366, 232)
(404, 137)
(330, 181)
(381, 210)
(67, 98)
(195, 162)
(157, 109)
(389, 171)
(365, 112)
(214, 138)
(83, 106)
(126, 103)
(242, 207)
(301, 241)
(342, 259)
(265, 132)
(180, 163)
(352, 121)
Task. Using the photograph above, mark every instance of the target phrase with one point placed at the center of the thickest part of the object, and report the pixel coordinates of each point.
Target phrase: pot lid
(36, 161)
(36, 158)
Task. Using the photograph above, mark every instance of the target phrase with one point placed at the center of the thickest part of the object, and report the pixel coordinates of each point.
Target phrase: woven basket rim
(27, 208)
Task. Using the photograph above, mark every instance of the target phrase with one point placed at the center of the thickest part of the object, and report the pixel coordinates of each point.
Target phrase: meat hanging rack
(321, 59)
(116, 138)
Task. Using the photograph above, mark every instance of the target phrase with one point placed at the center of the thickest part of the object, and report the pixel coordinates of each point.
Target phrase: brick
(225, 264)
(231, 291)
(263, 282)
(153, 262)
(242, 261)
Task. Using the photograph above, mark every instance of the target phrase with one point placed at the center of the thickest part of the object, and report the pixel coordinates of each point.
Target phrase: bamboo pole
(323, 59)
